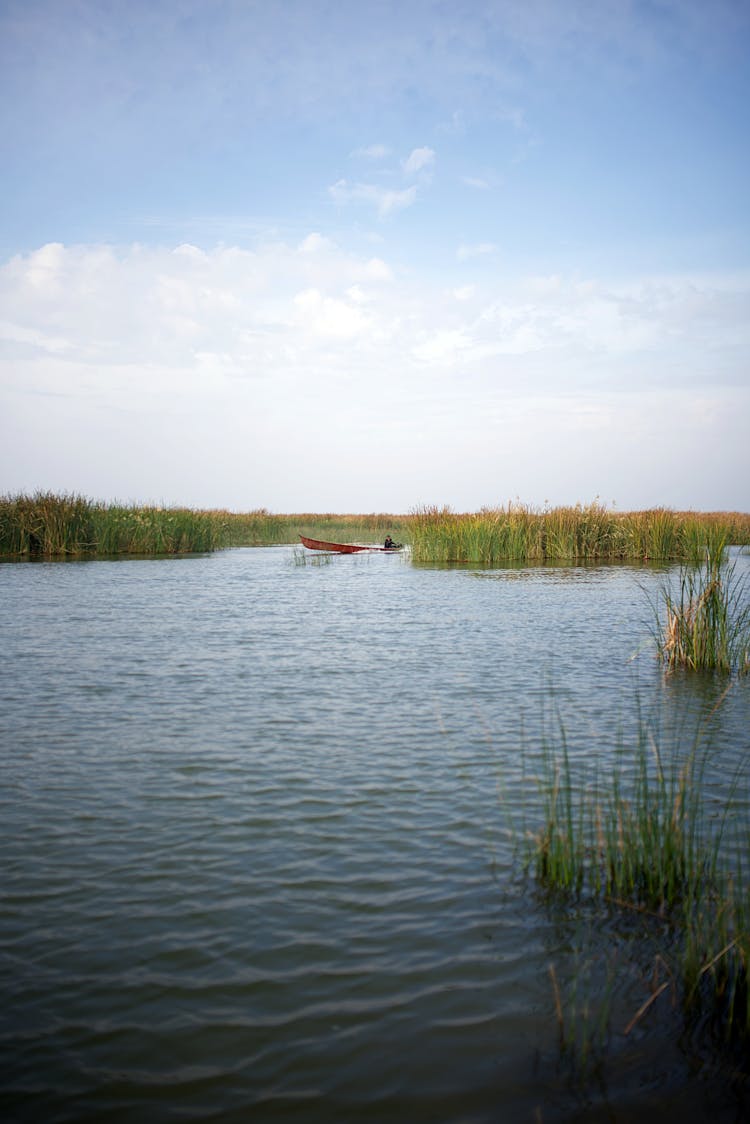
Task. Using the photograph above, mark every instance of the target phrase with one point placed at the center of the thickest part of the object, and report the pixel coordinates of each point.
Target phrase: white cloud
(385, 200)
(99, 307)
(45, 267)
(543, 286)
(327, 316)
(164, 307)
(418, 160)
(479, 249)
(477, 182)
(33, 337)
(186, 250)
(238, 352)
(445, 346)
(314, 242)
(377, 270)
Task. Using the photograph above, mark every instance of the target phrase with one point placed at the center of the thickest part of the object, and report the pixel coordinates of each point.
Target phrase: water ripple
(256, 860)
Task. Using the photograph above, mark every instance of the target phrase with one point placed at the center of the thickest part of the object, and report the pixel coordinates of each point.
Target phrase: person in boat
(389, 544)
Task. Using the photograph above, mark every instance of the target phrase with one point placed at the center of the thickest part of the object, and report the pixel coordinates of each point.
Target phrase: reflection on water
(256, 857)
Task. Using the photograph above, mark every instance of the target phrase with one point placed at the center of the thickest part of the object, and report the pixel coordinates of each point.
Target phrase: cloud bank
(251, 357)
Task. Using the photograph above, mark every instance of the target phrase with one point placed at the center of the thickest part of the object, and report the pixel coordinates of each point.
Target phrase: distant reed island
(47, 525)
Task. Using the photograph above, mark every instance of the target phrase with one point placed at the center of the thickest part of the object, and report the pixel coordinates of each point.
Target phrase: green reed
(707, 619)
(156, 530)
(253, 528)
(635, 840)
(644, 841)
(580, 534)
(49, 525)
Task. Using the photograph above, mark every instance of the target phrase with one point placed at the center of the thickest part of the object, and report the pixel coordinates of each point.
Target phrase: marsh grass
(48, 525)
(642, 843)
(580, 534)
(706, 623)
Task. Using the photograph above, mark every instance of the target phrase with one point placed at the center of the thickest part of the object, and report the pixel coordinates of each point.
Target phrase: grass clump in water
(644, 843)
(707, 621)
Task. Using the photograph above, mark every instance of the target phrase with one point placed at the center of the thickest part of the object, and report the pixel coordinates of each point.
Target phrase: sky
(324, 256)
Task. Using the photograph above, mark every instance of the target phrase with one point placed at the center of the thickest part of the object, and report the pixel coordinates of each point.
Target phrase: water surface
(255, 858)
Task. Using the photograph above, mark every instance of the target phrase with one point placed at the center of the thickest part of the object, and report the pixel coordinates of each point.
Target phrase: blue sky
(355, 257)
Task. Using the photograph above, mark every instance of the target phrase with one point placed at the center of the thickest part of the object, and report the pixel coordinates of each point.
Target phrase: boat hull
(345, 547)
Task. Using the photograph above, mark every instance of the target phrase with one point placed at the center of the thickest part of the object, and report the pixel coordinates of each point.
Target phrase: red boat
(346, 547)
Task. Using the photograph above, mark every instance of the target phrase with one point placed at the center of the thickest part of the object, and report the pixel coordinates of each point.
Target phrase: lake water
(255, 860)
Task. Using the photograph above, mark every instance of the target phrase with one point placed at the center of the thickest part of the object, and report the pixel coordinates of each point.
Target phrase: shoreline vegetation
(48, 525)
(584, 533)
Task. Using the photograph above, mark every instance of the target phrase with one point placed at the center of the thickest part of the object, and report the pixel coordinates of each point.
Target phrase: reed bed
(645, 842)
(48, 525)
(584, 533)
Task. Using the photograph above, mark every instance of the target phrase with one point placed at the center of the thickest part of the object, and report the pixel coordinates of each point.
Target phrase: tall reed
(643, 840)
(46, 524)
(707, 620)
(49, 525)
(584, 533)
